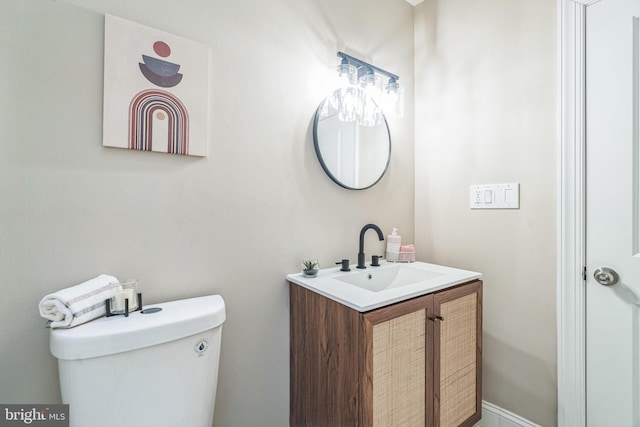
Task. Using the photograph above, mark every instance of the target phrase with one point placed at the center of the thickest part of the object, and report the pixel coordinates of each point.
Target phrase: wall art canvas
(156, 90)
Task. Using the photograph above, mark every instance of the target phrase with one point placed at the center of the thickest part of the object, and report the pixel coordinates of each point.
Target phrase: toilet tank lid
(117, 334)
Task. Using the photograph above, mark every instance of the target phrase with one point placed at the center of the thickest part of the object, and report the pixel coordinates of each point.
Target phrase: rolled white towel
(78, 304)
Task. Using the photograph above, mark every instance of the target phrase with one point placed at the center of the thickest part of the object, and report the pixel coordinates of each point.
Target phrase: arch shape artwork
(158, 121)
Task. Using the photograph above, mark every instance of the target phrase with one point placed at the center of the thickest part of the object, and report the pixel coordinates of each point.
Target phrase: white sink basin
(375, 287)
(397, 276)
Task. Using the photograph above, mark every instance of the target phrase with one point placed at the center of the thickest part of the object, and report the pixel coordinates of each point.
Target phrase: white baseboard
(495, 416)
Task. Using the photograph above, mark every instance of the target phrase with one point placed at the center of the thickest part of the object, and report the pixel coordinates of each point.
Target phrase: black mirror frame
(316, 146)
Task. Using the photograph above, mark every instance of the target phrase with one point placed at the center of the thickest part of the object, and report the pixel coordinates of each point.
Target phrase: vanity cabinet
(413, 363)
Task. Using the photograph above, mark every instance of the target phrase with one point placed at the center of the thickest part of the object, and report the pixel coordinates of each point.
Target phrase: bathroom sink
(376, 287)
(393, 277)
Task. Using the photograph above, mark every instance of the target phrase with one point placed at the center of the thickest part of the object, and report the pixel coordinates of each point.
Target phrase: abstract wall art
(156, 88)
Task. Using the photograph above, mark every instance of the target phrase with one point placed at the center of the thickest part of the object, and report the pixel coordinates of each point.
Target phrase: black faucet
(361, 263)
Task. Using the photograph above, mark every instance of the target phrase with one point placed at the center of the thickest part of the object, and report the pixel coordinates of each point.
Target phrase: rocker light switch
(488, 196)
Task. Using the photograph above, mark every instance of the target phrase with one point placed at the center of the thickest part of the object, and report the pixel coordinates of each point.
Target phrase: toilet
(157, 367)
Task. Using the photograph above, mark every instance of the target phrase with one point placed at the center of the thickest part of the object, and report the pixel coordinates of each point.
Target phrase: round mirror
(353, 155)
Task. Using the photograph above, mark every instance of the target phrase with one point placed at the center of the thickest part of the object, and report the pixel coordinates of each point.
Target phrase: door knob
(606, 276)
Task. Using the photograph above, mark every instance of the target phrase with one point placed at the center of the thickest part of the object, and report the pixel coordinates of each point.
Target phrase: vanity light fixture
(363, 97)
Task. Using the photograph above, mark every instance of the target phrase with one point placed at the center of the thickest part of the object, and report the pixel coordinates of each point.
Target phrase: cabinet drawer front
(399, 371)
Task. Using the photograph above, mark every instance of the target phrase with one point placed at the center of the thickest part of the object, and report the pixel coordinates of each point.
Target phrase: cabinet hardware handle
(440, 318)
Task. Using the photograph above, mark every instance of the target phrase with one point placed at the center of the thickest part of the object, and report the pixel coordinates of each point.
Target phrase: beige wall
(234, 223)
(486, 113)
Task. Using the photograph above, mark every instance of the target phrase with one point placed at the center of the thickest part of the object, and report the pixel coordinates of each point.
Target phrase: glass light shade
(371, 95)
(330, 107)
(372, 84)
(367, 77)
(348, 74)
(348, 103)
(371, 114)
(344, 101)
(393, 100)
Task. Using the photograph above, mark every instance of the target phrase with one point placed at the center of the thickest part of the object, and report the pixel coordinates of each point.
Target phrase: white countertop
(328, 283)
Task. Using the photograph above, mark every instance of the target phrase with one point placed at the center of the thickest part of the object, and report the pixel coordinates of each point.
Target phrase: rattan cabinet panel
(414, 363)
(458, 355)
(399, 353)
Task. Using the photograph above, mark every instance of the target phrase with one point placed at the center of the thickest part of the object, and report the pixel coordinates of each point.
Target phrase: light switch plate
(494, 196)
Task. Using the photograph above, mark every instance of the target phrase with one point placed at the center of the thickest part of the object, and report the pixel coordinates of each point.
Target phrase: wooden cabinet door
(458, 355)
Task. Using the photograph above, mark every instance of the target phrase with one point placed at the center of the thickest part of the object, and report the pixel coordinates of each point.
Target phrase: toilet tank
(154, 368)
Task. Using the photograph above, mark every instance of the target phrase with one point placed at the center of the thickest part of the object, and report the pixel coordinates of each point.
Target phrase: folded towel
(78, 304)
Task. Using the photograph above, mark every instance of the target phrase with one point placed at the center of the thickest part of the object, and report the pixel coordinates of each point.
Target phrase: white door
(613, 211)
